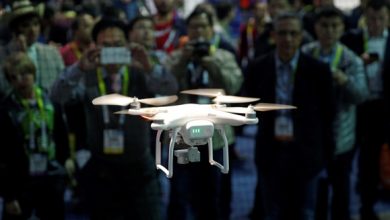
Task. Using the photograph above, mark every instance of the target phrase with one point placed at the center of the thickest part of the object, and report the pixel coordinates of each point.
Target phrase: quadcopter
(191, 125)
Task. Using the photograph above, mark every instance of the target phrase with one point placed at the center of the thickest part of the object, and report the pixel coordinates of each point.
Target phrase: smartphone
(115, 55)
(374, 56)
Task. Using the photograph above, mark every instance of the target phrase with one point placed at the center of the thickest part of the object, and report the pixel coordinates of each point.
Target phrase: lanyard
(103, 91)
(215, 44)
(365, 41)
(170, 39)
(75, 50)
(336, 58)
(44, 119)
(249, 38)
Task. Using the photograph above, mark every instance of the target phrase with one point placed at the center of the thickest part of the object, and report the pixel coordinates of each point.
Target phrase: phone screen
(374, 56)
(115, 55)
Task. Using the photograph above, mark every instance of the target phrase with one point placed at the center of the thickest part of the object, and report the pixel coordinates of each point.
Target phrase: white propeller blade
(234, 99)
(270, 106)
(113, 99)
(141, 111)
(164, 100)
(204, 92)
(121, 100)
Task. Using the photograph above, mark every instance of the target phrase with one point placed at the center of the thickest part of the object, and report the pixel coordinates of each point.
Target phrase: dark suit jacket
(313, 143)
(386, 86)
(354, 39)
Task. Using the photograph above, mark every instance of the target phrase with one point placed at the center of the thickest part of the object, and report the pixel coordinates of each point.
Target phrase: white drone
(191, 124)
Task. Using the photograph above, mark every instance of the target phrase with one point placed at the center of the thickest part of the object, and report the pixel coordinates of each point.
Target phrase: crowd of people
(332, 65)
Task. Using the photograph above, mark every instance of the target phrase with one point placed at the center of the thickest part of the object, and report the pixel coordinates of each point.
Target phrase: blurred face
(329, 30)
(164, 6)
(143, 33)
(21, 80)
(276, 7)
(260, 11)
(377, 21)
(288, 37)
(85, 27)
(111, 37)
(199, 28)
(30, 28)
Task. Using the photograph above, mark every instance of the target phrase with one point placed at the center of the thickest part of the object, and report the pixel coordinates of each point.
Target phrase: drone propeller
(258, 107)
(141, 111)
(204, 92)
(117, 99)
(262, 107)
(219, 95)
(233, 99)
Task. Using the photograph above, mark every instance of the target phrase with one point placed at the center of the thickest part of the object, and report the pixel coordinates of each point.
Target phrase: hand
(19, 43)
(70, 166)
(90, 59)
(207, 62)
(140, 57)
(187, 52)
(13, 208)
(367, 59)
(340, 77)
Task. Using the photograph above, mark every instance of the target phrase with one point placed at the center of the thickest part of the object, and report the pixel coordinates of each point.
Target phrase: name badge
(113, 141)
(38, 164)
(284, 128)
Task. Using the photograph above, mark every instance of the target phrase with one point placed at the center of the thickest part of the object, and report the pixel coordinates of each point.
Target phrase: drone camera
(189, 155)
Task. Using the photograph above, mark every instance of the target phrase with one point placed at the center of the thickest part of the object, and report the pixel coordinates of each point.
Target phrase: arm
(223, 71)
(161, 82)
(68, 87)
(13, 160)
(355, 85)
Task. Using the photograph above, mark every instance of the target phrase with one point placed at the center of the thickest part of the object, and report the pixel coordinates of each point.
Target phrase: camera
(189, 155)
(201, 48)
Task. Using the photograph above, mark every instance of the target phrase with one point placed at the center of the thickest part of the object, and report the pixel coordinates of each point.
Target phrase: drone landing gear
(191, 154)
(225, 167)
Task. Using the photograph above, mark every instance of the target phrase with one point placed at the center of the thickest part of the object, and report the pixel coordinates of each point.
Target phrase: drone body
(191, 125)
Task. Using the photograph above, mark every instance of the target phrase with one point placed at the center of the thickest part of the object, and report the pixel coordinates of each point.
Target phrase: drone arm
(225, 167)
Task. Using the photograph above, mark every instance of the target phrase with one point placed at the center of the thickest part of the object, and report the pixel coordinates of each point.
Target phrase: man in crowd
(350, 88)
(24, 23)
(201, 64)
(291, 145)
(373, 45)
(119, 177)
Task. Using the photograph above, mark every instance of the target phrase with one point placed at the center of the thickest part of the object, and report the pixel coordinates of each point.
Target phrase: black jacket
(313, 142)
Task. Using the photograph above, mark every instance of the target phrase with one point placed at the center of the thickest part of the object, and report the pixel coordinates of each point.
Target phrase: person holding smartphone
(349, 85)
(117, 170)
(371, 115)
(24, 23)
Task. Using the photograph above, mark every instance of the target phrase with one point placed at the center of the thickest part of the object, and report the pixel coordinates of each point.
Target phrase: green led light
(196, 131)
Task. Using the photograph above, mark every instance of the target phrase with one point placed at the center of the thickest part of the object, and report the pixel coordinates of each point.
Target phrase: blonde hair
(18, 62)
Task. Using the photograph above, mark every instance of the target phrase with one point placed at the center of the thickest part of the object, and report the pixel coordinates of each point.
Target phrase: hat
(21, 8)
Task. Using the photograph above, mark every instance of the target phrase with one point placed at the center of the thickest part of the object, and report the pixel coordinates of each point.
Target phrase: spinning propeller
(262, 107)
(117, 99)
(220, 96)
